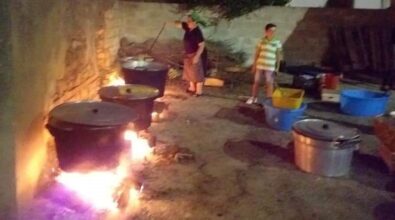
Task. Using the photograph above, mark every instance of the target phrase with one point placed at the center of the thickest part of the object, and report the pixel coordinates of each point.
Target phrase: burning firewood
(173, 153)
(183, 157)
(121, 194)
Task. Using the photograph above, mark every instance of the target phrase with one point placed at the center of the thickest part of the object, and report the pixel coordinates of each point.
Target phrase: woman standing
(195, 58)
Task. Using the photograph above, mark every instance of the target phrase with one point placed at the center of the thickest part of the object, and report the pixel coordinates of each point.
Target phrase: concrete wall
(7, 151)
(308, 3)
(361, 4)
(56, 51)
(372, 4)
(304, 31)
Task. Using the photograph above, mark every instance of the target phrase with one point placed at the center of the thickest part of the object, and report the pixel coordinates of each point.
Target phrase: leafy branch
(230, 9)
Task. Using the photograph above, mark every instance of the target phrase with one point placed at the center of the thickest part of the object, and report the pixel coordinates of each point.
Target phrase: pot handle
(50, 128)
(346, 143)
(100, 128)
(70, 129)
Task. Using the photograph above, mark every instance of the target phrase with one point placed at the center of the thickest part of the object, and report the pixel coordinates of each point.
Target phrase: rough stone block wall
(89, 57)
(57, 53)
(111, 42)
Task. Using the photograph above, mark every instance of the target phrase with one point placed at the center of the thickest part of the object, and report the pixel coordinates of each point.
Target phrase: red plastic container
(331, 81)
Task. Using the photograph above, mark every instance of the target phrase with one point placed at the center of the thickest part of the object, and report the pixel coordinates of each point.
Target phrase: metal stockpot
(138, 97)
(89, 135)
(148, 73)
(324, 148)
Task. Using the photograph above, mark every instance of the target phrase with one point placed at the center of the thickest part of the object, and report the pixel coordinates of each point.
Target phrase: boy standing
(266, 62)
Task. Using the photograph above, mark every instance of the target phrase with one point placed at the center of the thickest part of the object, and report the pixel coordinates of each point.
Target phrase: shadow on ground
(325, 107)
(384, 211)
(371, 171)
(331, 112)
(260, 153)
(244, 114)
(365, 169)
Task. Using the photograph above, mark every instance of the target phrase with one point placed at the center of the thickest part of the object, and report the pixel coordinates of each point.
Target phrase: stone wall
(89, 53)
(56, 51)
(304, 31)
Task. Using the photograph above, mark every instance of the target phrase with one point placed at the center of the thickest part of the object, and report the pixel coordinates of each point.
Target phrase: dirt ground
(245, 170)
(242, 169)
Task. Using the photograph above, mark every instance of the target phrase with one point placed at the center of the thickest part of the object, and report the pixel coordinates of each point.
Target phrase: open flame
(115, 80)
(155, 116)
(139, 149)
(99, 188)
(95, 188)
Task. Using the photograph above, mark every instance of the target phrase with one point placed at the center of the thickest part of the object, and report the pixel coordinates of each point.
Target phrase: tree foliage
(230, 9)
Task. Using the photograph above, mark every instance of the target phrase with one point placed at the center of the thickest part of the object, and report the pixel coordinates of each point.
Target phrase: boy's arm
(279, 58)
(257, 52)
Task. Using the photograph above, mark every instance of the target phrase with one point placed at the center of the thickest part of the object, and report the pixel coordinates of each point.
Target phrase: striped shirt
(267, 57)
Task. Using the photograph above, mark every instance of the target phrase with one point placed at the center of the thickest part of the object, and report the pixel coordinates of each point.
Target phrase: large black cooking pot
(89, 135)
(145, 73)
(139, 97)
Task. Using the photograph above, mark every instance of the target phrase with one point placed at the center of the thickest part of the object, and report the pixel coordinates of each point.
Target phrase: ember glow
(99, 188)
(155, 116)
(116, 80)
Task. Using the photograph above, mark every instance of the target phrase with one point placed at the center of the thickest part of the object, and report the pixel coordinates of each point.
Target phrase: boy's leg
(257, 80)
(269, 83)
(255, 87)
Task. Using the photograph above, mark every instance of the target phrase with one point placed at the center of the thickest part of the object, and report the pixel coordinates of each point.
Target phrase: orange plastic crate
(287, 98)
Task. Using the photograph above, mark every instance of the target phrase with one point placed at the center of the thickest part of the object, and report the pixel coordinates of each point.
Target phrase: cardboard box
(214, 82)
(388, 157)
(330, 95)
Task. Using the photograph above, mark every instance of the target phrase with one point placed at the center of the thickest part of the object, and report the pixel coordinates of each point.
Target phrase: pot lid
(143, 65)
(129, 92)
(128, 59)
(93, 113)
(325, 130)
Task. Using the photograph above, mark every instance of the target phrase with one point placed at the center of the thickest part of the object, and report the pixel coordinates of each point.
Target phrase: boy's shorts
(268, 75)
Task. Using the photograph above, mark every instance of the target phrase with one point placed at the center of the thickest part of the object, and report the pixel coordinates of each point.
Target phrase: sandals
(193, 93)
(190, 91)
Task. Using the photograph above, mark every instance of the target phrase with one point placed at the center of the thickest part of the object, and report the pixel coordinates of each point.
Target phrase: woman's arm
(199, 52)
(177, 24)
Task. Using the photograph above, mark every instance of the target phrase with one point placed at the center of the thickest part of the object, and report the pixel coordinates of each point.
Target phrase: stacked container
(285, 108)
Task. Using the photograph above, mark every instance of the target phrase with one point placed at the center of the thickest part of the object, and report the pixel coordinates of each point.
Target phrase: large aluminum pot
(324, 148)
(145, 73)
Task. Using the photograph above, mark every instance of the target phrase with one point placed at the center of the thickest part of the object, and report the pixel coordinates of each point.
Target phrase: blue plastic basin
(360, 102)
(280, 118)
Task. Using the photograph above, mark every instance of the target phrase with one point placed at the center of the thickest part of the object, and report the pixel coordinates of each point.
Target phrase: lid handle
(349, 143)
(325, 126)
(128, 90)
(95, 110)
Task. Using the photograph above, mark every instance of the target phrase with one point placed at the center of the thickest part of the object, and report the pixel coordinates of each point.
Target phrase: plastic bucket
(360, 102)
(287, 98)
(280, 118)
